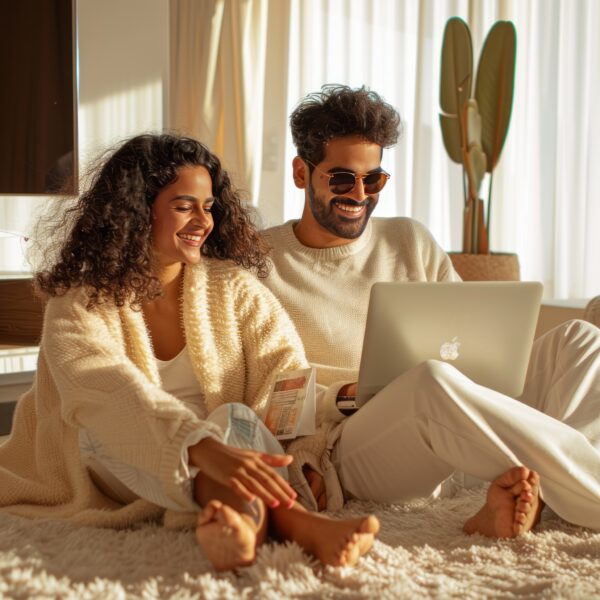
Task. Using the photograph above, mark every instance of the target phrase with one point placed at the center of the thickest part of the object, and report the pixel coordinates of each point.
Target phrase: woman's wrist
(199, 449)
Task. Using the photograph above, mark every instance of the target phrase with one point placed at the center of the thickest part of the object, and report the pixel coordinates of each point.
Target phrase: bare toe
(530, 504)
(534, 478)
(342, 542)
(227, 538)
(513, 476)
(510, 501)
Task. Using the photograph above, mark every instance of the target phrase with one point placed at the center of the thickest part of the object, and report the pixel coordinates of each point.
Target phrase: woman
(150, 326)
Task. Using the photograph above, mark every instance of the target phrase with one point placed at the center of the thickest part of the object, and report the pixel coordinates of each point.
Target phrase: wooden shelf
(21, 313)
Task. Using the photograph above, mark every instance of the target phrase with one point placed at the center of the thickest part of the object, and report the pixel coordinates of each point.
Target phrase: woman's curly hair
(108, 247)
(339, 111)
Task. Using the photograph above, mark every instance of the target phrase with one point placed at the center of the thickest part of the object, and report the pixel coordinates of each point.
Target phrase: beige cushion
(592, 311)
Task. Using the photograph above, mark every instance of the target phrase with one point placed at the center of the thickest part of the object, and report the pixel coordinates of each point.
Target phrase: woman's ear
(300, 173)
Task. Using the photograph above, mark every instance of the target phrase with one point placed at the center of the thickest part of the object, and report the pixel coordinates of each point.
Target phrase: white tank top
(178, 379)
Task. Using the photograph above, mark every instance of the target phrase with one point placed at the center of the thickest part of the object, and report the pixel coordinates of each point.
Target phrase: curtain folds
(238, 68)
(218, 53)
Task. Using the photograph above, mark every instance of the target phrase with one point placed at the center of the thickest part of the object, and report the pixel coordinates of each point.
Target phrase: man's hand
(317, 486)
(348, 390)
(246, 472)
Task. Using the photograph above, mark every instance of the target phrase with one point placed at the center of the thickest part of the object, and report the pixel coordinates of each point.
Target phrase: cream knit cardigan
(97, 371)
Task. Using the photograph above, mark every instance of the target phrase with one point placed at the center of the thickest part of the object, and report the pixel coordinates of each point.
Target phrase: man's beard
(325, 215)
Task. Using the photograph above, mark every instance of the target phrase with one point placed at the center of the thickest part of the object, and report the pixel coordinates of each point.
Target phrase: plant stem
(489, 206)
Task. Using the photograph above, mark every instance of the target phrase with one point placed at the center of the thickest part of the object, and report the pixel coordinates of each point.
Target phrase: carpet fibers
(421, 553)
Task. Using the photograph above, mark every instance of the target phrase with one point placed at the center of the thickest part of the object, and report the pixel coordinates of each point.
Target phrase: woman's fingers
(241, 490)
(278, 486)
(253, 484)
(266, 483)
(277, 460)
(246, 472)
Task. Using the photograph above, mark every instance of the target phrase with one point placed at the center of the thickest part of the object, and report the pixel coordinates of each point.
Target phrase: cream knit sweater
(326, 293)
(326, 290)
(97, 372)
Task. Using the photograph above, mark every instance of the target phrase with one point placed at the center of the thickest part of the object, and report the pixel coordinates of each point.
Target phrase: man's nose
(358, 191)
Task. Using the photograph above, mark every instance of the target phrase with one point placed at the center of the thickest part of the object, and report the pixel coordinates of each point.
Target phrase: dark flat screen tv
(38, 97)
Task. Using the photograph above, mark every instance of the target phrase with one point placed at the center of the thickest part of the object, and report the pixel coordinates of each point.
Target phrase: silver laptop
(484, 329)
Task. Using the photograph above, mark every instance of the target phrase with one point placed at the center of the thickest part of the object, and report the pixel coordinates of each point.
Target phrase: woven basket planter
(592, 311)
(496, 266)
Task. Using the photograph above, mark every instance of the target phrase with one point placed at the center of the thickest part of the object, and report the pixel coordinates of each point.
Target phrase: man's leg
(432, 420)
(563, 378)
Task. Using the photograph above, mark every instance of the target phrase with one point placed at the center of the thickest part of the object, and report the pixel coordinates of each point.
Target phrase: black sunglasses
(344, 182)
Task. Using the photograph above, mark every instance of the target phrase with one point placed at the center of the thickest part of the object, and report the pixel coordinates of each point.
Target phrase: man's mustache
(350, 202)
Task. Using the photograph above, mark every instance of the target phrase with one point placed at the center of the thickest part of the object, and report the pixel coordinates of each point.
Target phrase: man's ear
(300, 173)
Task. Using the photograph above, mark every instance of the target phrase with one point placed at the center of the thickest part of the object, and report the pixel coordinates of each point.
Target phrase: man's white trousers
(432, 421)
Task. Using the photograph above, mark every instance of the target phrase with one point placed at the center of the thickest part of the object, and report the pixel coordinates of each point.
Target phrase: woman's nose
(203, 218)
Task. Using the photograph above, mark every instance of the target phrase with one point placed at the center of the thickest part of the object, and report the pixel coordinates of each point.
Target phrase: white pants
(241, 426)
(410, 437)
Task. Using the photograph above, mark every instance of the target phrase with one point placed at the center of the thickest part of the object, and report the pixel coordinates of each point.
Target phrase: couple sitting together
(160, 347)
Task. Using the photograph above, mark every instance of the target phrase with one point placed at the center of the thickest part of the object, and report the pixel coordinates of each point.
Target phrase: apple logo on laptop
(449, 350)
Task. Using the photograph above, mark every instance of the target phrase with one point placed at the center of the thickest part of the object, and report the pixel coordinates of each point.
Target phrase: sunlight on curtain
(392, 48)
(545, 204)
(108, 120)
(217, 80)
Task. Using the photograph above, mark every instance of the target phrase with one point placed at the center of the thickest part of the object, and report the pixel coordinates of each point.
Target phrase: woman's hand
(246, 472)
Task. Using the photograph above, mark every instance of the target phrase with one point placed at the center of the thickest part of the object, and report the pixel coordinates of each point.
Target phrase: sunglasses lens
(344, 183)
(341, 183)
(374, 182)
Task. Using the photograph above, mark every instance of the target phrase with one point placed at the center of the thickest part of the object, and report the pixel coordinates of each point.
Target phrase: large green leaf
(455, 82)
(494, 88)
(451, 136)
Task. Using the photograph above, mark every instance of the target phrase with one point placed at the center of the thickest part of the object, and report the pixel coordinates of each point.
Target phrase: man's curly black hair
(339, 111)
(108, 247)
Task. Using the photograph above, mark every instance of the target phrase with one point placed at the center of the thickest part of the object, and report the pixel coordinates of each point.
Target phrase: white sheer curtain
(217, 79)
(545, 200)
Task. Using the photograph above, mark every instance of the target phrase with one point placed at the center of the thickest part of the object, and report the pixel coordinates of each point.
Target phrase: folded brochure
(290, 411)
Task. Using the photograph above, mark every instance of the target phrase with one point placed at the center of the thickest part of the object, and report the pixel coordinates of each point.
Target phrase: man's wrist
(346, 404)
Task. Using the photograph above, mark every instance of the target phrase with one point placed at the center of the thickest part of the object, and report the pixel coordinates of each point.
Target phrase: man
(409, 439)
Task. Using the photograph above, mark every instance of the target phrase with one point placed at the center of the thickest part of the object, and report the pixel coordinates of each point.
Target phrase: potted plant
(474, 129)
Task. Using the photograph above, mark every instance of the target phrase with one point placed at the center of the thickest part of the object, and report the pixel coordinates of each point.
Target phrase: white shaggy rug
(421, 553)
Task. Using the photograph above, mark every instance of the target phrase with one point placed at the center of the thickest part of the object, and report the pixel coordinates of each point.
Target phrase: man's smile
(350, 208)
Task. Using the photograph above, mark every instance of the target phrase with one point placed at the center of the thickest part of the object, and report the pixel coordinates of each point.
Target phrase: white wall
(123, 90)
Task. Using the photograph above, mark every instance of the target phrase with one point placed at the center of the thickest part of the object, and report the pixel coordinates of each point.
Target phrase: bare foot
(227, 537)
(338, 542)
(512, 506)
(529, 505)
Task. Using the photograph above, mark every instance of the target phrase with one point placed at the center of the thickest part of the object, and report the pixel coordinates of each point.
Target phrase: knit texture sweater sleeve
(270, 341)
(102, 391)
(271, 346)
